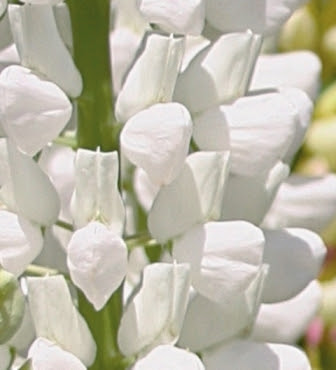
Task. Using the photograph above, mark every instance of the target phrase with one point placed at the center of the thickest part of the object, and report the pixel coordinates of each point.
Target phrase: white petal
(167, 357)
(5, 357)
(308, 202)
(224, 257)
(32, 187)
(162, 55)
(211, 130)
(57, 319)
(286, 322)
(175, 210)
(219, 73)
(20, 242)
(175, 16)
(33, 111)
(300, 69)
(144, 189)
(208, 323)
(42, 2)
(249, 197)
(97, 261)
(295, 258)
(124, 45)
(261, 126)
(45, 354)
(96, 195)
(304, 108)
(145, 325)
(58, 162)
(157, 140)
(261, 16)
(55, 63)
(246, 355)
(277, 13)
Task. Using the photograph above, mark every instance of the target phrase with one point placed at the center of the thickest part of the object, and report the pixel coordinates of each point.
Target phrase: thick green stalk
(104, 327)
(96, 125)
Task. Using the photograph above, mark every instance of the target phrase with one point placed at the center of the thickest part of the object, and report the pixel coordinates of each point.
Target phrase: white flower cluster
(209, 130)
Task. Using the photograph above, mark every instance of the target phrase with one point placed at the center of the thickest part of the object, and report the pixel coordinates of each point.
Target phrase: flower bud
(12, 306)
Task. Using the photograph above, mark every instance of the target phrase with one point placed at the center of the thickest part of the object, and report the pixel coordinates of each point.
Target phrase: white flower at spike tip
(291, 208)
(261, 16)
(45, 354)
(55, 63)
(224, 257)
(162, 55)
(96, 195)
(205, 83)
(204, 175)
(157, 140)
(57, 319)
(167, 357)
(155, 314)
(287, 321)
(248, 355)
(97, 261)
(295, 258)
(33, 111)
(20, 242)
(175, 16)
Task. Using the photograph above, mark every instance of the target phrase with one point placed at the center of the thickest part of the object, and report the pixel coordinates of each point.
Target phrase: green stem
(96, 126)
(104, 326)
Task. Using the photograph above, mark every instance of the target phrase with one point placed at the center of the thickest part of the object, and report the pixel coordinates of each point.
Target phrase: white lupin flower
(20, 242)
(300, 69)
(167, 357)
(157, 140)
(261, 16)
(175, 16)
(291, 208)
(3, 7)
(162, 55)
(57, 319)
(224, 257)
(124, 44)
(5, 357)
(33, 111)
(144, 189)
(58, 162)
(208, 324)
(250, 197)
(204, 175)
(246, 355)
(55, 63)
(96, 195)
(97, 261)
(45, 354)
(286, 322)
(205, 83)
(38, 190)
(295, 258)
(304, 107)
(146, 324)
(262, 124)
